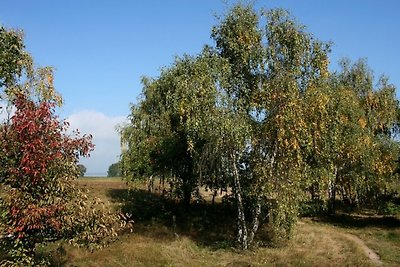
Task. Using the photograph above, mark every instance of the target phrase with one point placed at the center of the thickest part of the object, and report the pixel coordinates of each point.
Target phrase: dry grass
(155, 242)
(313, 245)
(384, 241)
(379, 233)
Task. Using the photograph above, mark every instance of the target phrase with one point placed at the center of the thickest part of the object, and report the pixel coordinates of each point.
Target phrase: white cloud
(105, 137)
(100, 126)
(6, 111)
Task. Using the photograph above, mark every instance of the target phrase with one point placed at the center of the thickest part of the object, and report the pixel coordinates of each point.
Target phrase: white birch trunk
(242, 228)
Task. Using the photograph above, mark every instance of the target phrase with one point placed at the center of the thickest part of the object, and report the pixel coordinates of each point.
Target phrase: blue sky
(100, 49)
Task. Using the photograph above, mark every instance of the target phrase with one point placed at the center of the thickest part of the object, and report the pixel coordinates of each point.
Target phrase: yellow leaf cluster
(362, 122)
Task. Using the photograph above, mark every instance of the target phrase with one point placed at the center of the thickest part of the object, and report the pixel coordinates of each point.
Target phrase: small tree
(264, 132)
(114, 170)
(166, 133)
(82, 170)
(39, 199)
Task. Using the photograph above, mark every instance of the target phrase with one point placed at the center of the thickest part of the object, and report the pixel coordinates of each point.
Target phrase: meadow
(162, 236)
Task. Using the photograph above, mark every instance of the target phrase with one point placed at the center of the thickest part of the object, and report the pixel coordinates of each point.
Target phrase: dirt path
(369, 252)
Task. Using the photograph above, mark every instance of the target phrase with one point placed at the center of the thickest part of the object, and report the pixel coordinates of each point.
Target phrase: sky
(101, 49)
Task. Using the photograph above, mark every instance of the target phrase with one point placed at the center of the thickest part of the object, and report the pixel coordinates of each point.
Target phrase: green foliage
(261, 114)
(13, 58)
(17, 73)
(166, 130)
(114, 170)
(82, 170)
(353, 153)
(282, 63)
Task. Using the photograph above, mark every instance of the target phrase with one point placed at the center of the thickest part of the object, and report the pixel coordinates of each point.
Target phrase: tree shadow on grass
(164, 218)
(348, 220)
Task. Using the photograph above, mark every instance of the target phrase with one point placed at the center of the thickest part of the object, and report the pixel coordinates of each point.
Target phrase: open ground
(161, 236)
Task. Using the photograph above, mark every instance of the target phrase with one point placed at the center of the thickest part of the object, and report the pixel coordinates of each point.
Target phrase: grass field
(163, 237)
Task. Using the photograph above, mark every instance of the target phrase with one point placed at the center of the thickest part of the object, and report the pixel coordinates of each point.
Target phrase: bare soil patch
(372, 255)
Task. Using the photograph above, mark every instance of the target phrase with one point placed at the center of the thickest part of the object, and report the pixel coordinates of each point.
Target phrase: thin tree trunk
(150, 184)
(163, 185)
(242, 228)
(257, 211)
(332, 193)
(256, 221)
(159, 185)
(187, 194)
(213, 197)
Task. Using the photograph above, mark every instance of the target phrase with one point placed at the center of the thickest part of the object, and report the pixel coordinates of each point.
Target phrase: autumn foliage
(37, 141)
(39, 200)
(260, 113)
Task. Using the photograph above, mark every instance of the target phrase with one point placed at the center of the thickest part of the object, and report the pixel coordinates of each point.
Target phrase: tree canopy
(114, 170)
(82, 169)
(259, 112)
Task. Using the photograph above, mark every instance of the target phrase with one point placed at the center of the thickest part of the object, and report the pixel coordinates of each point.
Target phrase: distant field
(156, 241)
(103, 183)
(100, 179)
